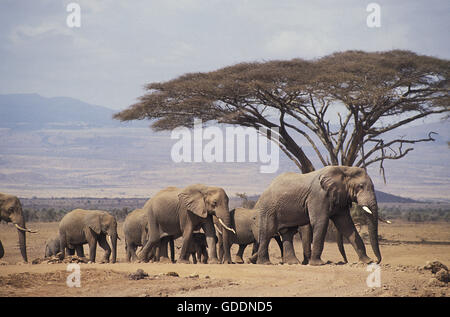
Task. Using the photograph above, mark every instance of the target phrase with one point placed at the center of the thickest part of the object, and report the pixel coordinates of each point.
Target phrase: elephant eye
(214, 203)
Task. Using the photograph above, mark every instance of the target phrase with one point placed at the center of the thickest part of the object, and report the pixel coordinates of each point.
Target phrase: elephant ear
(93, 222)
(193, 198)
(333, 182)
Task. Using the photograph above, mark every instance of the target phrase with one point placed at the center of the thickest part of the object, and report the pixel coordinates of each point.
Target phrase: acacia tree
(342, 104)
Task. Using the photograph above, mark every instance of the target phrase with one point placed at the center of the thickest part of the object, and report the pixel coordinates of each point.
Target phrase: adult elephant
(11, 211)
(294, 199)
(245, 223)
(135, 229)
(179, 212)
(80, 226)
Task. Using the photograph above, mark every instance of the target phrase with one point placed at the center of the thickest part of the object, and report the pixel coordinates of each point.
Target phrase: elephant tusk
(23, 229)
(366, 209)
(225, 226)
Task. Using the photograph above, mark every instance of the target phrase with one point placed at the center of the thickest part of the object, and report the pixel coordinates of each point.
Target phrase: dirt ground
(406, 247)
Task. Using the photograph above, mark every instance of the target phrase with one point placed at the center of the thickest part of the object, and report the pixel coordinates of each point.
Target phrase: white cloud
(291, 44)
(26, 32)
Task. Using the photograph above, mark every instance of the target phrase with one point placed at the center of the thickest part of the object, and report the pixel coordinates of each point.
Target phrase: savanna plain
(406, 247)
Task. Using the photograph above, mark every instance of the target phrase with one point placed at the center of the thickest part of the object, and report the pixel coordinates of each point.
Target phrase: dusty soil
(406, 247)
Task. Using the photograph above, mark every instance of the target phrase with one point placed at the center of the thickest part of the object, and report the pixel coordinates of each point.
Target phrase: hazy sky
(122, 45)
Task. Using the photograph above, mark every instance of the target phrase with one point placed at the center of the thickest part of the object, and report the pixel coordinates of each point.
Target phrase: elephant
(245, 223)
(53, 247)
(11, 211)
(179, 212)
(80, 226)
(294, 199)
(135, 228)
(198, 248)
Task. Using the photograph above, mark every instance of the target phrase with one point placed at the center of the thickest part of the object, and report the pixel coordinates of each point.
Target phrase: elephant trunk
(371, 211)
(113, 238)
(22, 238)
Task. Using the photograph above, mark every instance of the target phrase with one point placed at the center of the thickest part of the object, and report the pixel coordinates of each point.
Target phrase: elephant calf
(245, 223)
(198, 248)
(53, 247)
(80, 226)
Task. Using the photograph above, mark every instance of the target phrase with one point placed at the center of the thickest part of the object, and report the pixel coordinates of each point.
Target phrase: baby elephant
(197, 249)
(80, 226)
(53, 247)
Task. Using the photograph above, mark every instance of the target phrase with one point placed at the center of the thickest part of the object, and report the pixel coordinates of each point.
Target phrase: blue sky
(122, 45)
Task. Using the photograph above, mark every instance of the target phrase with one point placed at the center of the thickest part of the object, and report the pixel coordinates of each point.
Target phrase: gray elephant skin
(294, 199)
(80, 226)
(53, 247)
(135, 230)
(245, 223)
(11, 211)
(198, 248)
(178, 212)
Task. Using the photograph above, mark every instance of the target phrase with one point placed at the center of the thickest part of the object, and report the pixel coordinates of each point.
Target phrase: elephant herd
(200, 215)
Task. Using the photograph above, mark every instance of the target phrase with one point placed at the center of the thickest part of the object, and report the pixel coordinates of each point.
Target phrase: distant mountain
(63, 147)
(32, 111)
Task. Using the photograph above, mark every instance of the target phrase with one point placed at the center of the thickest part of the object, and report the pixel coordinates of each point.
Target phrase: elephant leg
(79, 250)
(105, 246)
(92, 242)
(152, 242)
(194, 258)
(70, 251)
(187, 240)
(340, 243)
(210, 233)
(280, 243)
(287, 235)
(238, 258)
(62, 246)
(267, 230)
(306, 236)
(253, 259)
(163, 250)
(172, 250)
(2, 251)
(345, 225)
(129, 251)
(319, 230)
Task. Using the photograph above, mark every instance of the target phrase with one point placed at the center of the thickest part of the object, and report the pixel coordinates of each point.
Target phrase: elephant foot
(183, 261)
(163, 259)
(213, 261)
(264, 262)
(228, 262)
(365, 259)
(316, 262)
(291, 260)
(305, 261)
(238, 260)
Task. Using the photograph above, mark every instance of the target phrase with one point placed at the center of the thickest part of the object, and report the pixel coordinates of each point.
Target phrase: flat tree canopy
(342, 104)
